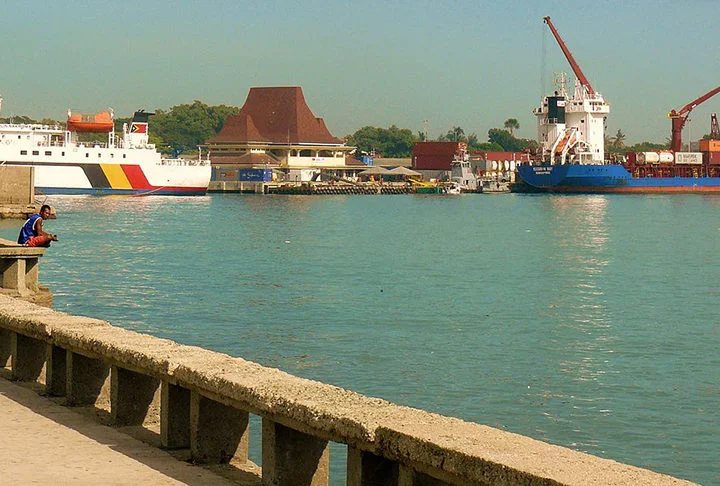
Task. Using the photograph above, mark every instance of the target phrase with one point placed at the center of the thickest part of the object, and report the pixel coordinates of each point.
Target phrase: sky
(418, 64)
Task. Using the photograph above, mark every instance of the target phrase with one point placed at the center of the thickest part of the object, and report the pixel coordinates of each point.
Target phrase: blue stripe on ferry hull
(106, 191)
(611, 178)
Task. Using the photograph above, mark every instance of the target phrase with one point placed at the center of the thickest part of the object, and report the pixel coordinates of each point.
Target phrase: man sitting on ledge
(32, 233)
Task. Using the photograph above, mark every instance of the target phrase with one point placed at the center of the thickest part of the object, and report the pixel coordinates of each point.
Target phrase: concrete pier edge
(408, 446)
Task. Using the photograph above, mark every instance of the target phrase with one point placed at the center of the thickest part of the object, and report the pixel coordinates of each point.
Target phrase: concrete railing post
(218, 433)
(367, 469)
(56, 376)
(132, 396)
(28, 357)
(174, 416)
(19, 272)
(32, 274)
(86, 380)
(5, 347)
(13, 274)
(293, 458)
(410, 477)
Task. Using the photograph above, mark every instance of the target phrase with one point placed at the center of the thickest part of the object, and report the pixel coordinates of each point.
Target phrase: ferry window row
(49, 153)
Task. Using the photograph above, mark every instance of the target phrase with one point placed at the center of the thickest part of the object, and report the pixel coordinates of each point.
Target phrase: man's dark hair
(44, 207)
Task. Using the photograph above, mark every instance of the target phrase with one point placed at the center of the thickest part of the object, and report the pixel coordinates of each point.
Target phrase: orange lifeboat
(101, 122)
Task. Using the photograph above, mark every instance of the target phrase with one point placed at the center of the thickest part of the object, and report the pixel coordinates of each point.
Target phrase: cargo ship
(126, 164)
(571, 159)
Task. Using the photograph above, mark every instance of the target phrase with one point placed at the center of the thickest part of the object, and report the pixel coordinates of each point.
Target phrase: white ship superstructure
(571, 129)
(126, 164)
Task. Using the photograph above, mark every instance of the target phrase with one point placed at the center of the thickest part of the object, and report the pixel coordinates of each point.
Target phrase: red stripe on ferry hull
(635, 190)
(136, 177)
(141, 186)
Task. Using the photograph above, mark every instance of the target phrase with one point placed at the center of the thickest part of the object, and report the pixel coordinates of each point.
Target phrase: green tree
(511, 124)
(388, 142)
(489, 147)
(501, 137)
(618, 141)
(455, 134)
(508, 142)
(184, 127)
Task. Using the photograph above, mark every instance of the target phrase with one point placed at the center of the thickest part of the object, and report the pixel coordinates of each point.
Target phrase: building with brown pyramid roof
(275, 128)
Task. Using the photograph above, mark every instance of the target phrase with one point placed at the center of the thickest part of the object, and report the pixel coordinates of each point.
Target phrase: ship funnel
(137, 134)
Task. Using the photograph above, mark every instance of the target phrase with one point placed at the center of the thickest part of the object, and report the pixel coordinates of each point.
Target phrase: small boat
(453, 189)
(494, 186)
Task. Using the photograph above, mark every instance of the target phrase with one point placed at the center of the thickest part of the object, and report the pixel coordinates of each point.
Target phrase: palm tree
(618, 141)
(457, 133)
(512, 125)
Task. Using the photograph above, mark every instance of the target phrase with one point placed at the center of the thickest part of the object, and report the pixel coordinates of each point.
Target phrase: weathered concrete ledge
(19, 273)
(204, 399)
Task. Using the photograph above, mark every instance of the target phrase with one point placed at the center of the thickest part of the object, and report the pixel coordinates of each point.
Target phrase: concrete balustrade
(204, 399)
(19, 273)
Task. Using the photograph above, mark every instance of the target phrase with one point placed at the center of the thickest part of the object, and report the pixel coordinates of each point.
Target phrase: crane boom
(679, 118)
(573, 64)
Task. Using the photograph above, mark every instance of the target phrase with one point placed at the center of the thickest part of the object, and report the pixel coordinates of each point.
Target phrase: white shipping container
(648, 157)
(666, 157)
(694, 158)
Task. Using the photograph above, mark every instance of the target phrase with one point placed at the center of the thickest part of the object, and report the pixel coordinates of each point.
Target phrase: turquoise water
(586, 321)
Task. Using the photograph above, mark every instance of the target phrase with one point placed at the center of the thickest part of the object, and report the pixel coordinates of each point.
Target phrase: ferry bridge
(195, 404)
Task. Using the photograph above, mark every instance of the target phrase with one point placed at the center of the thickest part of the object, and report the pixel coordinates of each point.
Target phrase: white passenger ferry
(126, 164)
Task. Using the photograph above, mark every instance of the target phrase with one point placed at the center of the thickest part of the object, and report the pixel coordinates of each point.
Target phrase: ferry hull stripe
(116, 176)
(136, 177)
(96, 176)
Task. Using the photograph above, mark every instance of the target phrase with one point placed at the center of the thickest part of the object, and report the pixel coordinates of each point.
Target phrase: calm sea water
(591, 322)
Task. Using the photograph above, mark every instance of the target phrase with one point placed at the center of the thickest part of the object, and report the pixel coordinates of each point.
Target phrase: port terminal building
(275, 129)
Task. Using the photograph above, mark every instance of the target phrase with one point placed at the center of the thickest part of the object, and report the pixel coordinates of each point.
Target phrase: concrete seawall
(203, 399)
(17, 192)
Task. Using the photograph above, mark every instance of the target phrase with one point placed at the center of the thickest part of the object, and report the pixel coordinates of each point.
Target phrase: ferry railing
(203, 401)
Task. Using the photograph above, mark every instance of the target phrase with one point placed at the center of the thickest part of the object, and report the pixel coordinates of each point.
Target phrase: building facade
(276, 129)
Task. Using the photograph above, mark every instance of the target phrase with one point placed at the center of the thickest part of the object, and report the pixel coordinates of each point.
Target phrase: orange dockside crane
(678, 118)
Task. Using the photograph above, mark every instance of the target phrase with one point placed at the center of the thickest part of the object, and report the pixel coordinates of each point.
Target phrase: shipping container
(256, 175)
(223, 174)
(666, 157)
(439, 148)
(694, 158)
(648, 157)
(709, 145)
(432, 162)
(711, 158)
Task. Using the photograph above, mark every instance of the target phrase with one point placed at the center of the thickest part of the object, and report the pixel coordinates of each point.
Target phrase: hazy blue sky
(453, 63)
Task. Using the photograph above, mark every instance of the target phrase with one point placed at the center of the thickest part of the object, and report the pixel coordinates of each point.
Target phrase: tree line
(616, 145)
(397, 142)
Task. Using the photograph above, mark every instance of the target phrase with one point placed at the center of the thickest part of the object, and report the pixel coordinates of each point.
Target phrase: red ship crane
(573, 64)
(678, 118)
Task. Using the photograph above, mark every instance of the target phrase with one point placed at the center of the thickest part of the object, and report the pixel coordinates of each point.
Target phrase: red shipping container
(436, 155)
(711, 158)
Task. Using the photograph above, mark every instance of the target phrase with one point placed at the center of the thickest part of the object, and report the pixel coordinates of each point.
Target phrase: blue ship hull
(609, 178)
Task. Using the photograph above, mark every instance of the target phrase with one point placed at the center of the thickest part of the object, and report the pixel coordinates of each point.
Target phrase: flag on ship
(138, 128)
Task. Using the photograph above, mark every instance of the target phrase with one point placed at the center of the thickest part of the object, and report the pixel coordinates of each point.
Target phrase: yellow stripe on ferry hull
(116, 176)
